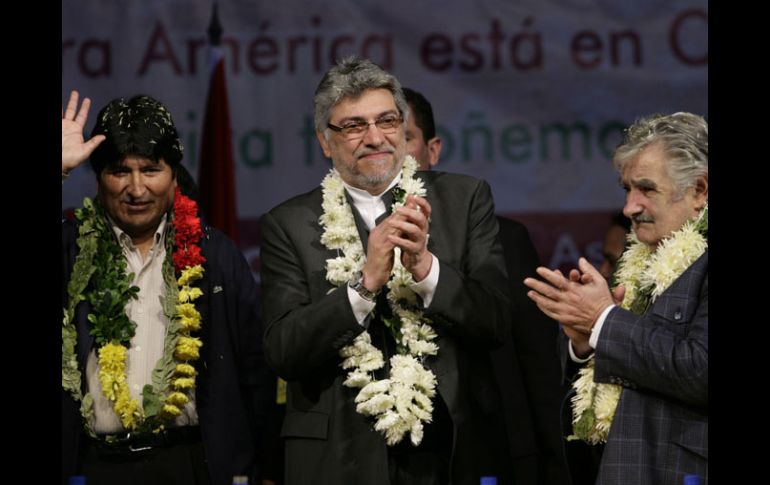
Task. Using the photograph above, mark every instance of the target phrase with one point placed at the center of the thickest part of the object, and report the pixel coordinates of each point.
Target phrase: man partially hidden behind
(384, 292)
(422, 141)
(527, 365)
(643, 385)
(162, 361)
(614, 244)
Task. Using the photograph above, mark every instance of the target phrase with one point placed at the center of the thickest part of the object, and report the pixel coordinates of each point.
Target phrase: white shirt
(370, 207)
(593, 339)
(148, 341)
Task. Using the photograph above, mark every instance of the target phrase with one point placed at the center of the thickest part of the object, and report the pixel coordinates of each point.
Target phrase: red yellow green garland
(99, 276)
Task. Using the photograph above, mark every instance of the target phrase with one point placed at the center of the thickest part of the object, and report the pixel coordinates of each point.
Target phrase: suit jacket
(308, 320)
(527, 367)
(660, 429)
(230, 392)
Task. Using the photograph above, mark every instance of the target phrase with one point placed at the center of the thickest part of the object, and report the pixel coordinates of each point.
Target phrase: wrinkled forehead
(650, 163)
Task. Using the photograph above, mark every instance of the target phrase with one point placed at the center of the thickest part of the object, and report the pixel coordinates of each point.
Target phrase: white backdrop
(530, 95)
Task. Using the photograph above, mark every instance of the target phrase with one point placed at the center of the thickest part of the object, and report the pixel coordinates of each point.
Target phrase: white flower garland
(403, 402)
(645, 274)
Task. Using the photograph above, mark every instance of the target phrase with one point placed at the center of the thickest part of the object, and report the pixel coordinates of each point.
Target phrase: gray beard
(372, 181)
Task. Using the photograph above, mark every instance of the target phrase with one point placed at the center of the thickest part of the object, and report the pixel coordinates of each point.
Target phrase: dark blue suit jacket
(230, 394)
(660, 429)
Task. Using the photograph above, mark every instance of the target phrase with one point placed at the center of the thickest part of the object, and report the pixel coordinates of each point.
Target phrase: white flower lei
(645, 275)
(401, 403)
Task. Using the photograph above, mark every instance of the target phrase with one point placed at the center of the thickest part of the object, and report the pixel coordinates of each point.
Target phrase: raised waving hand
(74, 148)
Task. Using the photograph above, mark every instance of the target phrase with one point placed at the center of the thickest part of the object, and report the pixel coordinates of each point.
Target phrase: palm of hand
(73, 147)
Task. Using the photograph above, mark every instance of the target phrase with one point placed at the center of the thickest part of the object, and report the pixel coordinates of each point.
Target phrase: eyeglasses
(354, 129)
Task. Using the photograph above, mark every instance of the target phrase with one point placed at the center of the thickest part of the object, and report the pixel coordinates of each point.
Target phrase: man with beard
(384, 292)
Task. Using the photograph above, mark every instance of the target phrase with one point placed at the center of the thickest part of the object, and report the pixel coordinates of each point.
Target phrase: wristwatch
(358, 286)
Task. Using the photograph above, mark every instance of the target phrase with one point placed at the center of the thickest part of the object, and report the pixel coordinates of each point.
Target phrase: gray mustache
(368, 151)
(642, 218)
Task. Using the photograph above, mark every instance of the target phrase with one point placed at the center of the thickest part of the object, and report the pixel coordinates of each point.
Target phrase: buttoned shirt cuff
(575, 358)
(361, 306)
(593, 338)
(427, 287)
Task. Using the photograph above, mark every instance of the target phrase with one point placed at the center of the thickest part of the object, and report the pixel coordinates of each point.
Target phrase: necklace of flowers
(645, 274)
(99, 277)
(401, 403)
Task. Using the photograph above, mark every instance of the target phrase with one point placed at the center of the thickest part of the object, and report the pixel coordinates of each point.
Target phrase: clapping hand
(575, 301)
(413, 222)
(406, 228)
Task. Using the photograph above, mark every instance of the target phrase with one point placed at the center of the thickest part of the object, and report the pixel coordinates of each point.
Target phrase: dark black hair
(422, 111)
(141, 127)
(186, 183)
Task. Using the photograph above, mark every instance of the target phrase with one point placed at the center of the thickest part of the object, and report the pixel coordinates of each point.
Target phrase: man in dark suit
(411, 317)
(527, 365)
(140, 402)
(643, 387)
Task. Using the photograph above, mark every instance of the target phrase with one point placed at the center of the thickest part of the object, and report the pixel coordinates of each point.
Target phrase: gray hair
(350, 78)
(684, 138)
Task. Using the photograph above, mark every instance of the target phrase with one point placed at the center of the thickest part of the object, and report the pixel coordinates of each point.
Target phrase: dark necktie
(387, 199)
(363, 232)
(380, 334)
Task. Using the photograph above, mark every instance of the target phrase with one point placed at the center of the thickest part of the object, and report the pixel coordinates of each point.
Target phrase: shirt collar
(125, 240)
(362, 196)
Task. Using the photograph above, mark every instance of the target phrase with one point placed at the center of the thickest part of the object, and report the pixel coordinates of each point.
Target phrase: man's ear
(324, 143)
(701, 192)
(434, 151)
